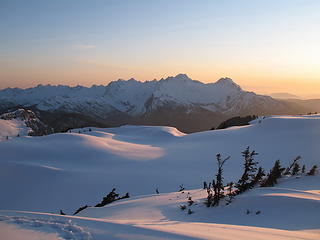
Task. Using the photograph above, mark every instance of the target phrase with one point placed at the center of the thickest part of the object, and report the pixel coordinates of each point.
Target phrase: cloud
(84, 46)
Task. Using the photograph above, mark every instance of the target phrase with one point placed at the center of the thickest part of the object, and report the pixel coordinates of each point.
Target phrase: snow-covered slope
(285, 212)
(288, 193)
(81, 168)
(66, 171)
(21, 123)
(12, 128)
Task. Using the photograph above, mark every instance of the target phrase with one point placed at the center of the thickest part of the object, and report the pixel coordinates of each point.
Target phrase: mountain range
(179, 101)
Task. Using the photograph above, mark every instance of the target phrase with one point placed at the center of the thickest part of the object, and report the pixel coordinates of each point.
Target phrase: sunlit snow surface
(12, 128)
(66, 171)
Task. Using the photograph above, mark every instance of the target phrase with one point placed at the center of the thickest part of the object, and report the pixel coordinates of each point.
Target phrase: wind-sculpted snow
(64, 227)
(127, 150)
(40, 226)
(80, 168)
(290, 210)
(278, 203)
(69, 170)
(15, 232)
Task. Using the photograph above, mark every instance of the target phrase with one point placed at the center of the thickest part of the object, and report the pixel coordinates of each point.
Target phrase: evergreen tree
(246, 180)
(125, 196)
(218, 187)
(289, 169)
(230, 192)
(80, 209)
(295, 169)
(303, 170)
(62, 213)
(205, 185)
(216, 194)
(313, 170)
(274, 175)
(209, 200)
(111, 197)
(258, 177)
(230, 186)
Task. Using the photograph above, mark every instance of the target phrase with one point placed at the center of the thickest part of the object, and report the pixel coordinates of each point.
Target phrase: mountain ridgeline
(178, 101)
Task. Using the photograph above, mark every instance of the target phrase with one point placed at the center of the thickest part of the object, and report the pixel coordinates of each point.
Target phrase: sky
(264, 46)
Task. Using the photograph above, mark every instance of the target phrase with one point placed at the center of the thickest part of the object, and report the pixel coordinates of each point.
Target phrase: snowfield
(41, 175)
(12, 128)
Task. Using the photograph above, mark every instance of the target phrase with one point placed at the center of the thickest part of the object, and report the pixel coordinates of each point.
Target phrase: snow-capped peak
(227, 82)
(134, 97)
(180, 76)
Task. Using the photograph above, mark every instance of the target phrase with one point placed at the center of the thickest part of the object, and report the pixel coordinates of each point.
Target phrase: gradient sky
(265, 46)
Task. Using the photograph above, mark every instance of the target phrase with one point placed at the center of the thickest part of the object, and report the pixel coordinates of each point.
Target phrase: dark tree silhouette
(258, 177)
(217, 194)
(236, 121)
(218, 187)
(303, 170)
(230, 192)
(295, 169)
(123, 197)
(62, 213)
(289, 169)
(80, 209)
(273, 176)
(246, 180)
(111, 197)
(313, 170)
(205, 185)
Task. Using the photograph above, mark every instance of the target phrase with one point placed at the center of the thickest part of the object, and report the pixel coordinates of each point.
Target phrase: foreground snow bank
(288, 211)
(293, 204)
(12, 232)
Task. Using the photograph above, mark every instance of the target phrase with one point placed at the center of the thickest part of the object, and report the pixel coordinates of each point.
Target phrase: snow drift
(64, 171)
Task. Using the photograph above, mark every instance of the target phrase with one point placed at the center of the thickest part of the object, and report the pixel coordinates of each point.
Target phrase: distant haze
(284, 95)
(265, 46)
